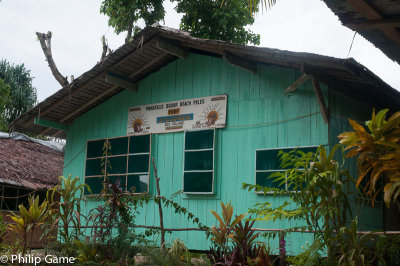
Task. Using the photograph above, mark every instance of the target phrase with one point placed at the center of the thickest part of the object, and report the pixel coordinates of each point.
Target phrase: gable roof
(28, 163)
(156, 46)
(377, 21)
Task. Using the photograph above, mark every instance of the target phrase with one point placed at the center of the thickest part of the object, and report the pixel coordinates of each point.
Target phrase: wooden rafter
(80, 88)
(297, 83)
(171, 48)
(123, 82)
(98, 97)
(320, 99)
(241, 62)
(372, 13)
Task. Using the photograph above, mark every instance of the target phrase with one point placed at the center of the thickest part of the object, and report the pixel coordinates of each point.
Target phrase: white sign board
(197, 113)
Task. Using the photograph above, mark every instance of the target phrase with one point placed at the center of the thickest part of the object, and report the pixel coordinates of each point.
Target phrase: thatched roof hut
(29, 163)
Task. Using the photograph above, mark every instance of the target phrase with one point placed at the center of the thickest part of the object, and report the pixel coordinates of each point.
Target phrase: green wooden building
(213, 115)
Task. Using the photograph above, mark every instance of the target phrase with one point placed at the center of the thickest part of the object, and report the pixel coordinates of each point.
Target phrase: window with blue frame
(268, 162)
(126, 161)
(198, 174)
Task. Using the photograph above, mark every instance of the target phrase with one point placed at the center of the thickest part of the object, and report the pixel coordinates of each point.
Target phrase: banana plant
(378, 151)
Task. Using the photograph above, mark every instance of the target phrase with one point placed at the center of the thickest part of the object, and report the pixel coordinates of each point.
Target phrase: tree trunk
(45, 42)
(129, 34)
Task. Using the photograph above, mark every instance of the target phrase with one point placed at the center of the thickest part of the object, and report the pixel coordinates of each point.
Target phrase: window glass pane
(1, 197)
(120, 180)
(139, 144)
(42, 195)
(23, 197)
(119, 146)
(203, 139)
(137, 183)
(95, 148)
(138, 163)
(198, 182)
(95, 184)
(116, 165)
(10, 200)
(263, 179)
(199, 160)
(93, 167)
(267, 160)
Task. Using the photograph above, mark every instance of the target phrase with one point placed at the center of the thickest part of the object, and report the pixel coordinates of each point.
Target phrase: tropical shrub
(27, 220)
(321, 197)
(378, 151)
(113, 224)
(65, 214)
(356, 249)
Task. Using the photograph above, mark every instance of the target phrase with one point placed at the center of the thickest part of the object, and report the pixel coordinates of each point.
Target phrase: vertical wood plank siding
(341, 108)
(252, 99)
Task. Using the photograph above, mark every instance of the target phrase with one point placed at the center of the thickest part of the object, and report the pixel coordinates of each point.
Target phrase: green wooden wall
(341, 108)
(252, 99)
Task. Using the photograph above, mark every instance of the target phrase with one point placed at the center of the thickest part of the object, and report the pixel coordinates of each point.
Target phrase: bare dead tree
(106, 49)
(45, 43)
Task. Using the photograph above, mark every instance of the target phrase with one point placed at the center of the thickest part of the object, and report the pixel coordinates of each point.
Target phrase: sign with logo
(197, 113)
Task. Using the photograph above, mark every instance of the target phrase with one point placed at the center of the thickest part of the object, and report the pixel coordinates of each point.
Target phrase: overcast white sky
(305, 26)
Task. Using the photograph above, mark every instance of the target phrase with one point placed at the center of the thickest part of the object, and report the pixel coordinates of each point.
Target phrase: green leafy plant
(113, 225)
(356, 249)
(378, 151)
(220, 20)
(27, 220)
(388, 249)
(22, 95)
(320, 200)
(67, 211)
(310, 256)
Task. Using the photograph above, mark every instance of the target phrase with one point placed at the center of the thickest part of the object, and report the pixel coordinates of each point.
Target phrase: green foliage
(4, 101)
(67, 211)
(310, 256)
(27, 220)
(221, 20)
(124, 14)
(321, 198)
(22, 93)
(356, 249)
(113, 233)
(388, 249)
(378, 151)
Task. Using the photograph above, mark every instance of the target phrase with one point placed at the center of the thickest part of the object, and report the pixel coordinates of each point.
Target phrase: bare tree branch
(45, 42)
(105, 47)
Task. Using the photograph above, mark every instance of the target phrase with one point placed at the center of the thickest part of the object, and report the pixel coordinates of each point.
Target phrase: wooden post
(282, 249)
(159, 205)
